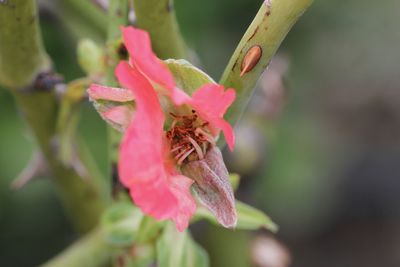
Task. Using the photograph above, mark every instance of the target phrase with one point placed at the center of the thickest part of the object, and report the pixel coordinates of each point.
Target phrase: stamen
(176, 148)
(181, 153)
(197, 147)
(185, 156)
(208, 137)
(204, 145)
(174, 123)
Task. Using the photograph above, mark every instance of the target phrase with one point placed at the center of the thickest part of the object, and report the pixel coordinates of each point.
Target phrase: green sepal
(187, 77)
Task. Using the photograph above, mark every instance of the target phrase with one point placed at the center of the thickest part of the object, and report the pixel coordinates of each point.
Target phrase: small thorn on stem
(251, 59)
(37, 167)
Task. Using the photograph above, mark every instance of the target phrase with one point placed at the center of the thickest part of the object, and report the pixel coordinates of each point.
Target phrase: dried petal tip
(212, 186)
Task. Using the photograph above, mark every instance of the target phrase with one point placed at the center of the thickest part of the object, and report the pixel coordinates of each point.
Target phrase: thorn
(36, 167)
(80, 169)
(251, 59)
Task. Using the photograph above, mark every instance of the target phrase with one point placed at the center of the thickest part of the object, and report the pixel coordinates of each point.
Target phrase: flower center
(189, 138)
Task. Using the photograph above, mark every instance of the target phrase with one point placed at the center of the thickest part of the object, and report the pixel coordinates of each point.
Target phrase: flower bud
(90, 57)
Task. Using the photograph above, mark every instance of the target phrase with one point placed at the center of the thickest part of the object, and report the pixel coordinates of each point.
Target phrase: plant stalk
(90, 251)
(22, 55)
(118, 13)
(158, 18)
(256, 48)
(22, 58)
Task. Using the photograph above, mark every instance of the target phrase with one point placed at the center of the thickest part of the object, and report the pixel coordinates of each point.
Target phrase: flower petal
(226, 128)
(119, 116)
(143, 166)
(180, 186)
(142, 56)
(211, 102)
(99, 92)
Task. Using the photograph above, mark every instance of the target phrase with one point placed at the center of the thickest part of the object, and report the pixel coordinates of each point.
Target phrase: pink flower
(157, 142)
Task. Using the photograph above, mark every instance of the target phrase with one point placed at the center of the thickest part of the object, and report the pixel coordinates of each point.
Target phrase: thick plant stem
(118, 12)
(82, 197)
(254, 52)
(82, 18)
(158, 18)
(90, 251)
(22, 55)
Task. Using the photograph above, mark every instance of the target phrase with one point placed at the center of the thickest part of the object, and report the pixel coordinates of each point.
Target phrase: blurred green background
(318, 148)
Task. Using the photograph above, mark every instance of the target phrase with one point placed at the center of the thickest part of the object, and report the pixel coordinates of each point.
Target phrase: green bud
(91, 57)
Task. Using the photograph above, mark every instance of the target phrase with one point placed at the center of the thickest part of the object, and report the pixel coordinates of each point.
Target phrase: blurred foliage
(326, 169)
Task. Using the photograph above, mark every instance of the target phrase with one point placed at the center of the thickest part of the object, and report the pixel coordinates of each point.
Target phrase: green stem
(82, 197)
(118, 12)
(22, 55)
(268, 29)
(90, 251)
(82, 18)
(158, 18)
(21, 46)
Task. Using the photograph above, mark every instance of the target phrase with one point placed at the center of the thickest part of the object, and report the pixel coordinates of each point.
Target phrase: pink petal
(97, 92)
(180, 186)
(119, 115)
(179, 96)
(226, 128)
(142, 56)
(144, 137)
(143, 167)
(211, 102)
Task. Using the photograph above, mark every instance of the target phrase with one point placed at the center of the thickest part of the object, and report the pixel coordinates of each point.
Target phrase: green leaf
(149, 229)
(235, 180)
(249, 218)
(175, 249)
(187, 77)
(120, 224)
